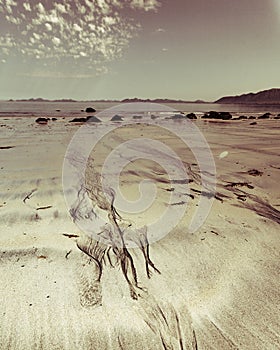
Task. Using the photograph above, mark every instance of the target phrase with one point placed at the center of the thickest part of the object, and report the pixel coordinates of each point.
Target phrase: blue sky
(95, 49)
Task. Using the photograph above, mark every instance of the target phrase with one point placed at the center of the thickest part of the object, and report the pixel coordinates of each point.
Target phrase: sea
(77, 109)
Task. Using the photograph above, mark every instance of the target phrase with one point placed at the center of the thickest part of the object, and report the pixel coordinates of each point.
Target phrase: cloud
(146, 5)
(48, 26)
(27, 6)
(56, 41)
(60, 8)
(41, 8)
(77, 28)
(88, 32)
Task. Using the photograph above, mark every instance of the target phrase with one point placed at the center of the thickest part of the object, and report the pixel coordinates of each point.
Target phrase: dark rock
(90, 119)
(58, 110)
(252, 117)
(277, 117)
(54, 119)
(191, 116)
(255, 172)
(42, 120)
(78, 120)
(254, 123)
(217, 115)
(211, 115)
(225, 115)
(93, 119)
(6, 147)
(90, 110)
(137, 117)
(264, 116)
(116, 118)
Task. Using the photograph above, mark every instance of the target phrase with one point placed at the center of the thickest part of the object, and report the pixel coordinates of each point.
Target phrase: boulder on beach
(264, 116)
(137, 117)
(54, 119)
(253, 123)
(191, 116)
(252, 117)
(116, 118)
(42, 120)
(225, 115)
(78, 120)
(90, 110)
(93, 119)
(255, 172)
(217, 115)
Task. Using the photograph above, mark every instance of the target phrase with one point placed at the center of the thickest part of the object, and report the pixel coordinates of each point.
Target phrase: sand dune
(217, 288)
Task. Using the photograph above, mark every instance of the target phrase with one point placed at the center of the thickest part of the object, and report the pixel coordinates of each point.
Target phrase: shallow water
(57, 109)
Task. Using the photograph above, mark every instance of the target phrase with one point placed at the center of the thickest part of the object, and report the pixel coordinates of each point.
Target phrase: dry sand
(218, 288)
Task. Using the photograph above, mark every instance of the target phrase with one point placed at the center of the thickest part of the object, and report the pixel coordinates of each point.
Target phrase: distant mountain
(271, 96)
(126, 100)
(159, 100)
(39, 99)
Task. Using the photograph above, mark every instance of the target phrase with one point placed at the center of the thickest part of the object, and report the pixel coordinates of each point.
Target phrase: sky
(115, 49)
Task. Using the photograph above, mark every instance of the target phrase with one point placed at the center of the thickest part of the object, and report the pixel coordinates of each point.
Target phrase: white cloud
(90, 5)
(92, 26)
(56, 41)
(77, 28)
(11, 3)
(146, 5)
(12, 19)
(27, 6)
(48, 27)
(41, 8)
(82, 9)
(103, 6)
(60, 8)
(109, 20)
(37, 36)
(53, 30)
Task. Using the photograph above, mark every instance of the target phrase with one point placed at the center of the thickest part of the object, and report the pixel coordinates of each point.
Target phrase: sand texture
(217, 288)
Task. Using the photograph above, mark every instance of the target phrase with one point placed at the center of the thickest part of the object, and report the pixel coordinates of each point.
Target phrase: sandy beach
(216, 288)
